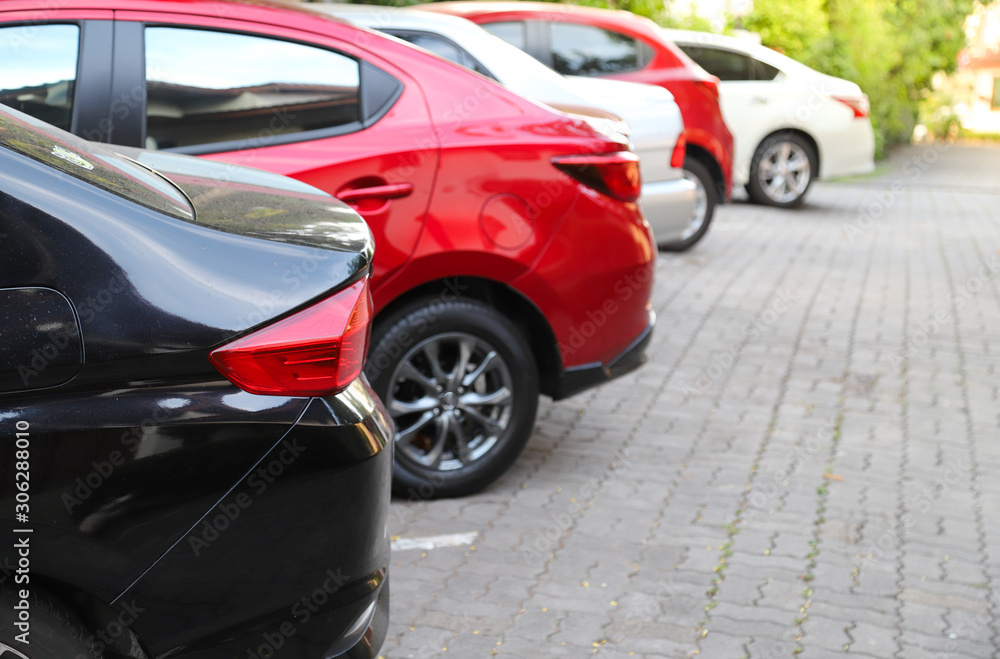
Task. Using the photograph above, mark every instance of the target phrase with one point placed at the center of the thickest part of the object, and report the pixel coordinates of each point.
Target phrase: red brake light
(860, 105)
(315, 352)
(677, 157)
(613, 174)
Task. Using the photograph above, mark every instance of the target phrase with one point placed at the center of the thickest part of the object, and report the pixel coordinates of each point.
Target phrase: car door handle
(758, 100)
(389, 191)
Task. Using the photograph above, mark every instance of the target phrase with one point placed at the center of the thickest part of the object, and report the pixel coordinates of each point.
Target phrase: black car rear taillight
(315, 352)
(613, 174)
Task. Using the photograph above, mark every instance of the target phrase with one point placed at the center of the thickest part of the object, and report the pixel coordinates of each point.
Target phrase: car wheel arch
(514, 304)
(706, 158)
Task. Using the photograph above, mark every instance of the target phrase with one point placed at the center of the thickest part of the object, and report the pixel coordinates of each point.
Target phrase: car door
(318, 110)
(754, 102)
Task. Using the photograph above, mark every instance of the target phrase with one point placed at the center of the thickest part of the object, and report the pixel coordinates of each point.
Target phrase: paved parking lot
(808, 466)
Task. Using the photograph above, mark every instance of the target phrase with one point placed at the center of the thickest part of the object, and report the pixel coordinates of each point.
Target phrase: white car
(791, 124)
(654, 121)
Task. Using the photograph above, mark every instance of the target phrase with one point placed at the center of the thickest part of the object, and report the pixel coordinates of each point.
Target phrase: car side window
(583, 50)
(208, 87)
(723, 64)
(762, 71)
(513, 32)
(43, 82)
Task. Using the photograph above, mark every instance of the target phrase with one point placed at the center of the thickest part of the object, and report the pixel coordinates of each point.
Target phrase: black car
(191, 463)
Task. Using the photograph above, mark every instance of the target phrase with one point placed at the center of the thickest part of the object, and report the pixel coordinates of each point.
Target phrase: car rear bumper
(293, 560)
(579, 378)
(848, 152)
(668, 207)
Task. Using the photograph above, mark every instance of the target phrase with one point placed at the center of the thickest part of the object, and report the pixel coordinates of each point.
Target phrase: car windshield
(91, 163)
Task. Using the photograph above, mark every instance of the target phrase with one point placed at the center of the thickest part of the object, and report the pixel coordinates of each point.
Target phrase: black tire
(772, 188)
(447, 442)
(55, 633)
(706, 195)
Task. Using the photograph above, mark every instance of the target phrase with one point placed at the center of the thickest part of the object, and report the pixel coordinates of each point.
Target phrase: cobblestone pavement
(808, 466)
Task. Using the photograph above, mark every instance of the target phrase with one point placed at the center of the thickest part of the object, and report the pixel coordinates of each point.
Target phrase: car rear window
(91, 163)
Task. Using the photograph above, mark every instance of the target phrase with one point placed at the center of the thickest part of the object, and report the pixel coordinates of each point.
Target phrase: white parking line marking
(434, 541)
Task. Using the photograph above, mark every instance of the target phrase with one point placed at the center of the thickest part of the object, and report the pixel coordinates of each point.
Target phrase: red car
(585, 41)
(511, 257)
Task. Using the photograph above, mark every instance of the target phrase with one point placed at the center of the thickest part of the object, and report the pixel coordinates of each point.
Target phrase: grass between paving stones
(823, 491)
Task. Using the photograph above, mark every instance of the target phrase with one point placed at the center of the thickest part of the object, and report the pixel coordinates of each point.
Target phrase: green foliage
(690, 21)
(795, 27)
(891, 48)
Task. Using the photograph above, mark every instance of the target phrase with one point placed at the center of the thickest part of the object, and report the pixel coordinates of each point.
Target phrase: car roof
(461, 8)
(239, 9)
(401, 18)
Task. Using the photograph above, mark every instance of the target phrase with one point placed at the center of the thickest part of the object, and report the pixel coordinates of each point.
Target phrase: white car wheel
(782, 170)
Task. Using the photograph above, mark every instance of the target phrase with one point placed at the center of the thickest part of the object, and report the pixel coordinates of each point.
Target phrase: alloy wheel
(784, 172)
(7, 652)
(452, 399)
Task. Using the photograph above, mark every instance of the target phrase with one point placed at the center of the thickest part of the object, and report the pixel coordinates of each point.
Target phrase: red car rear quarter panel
(596, 278)
(575, 245)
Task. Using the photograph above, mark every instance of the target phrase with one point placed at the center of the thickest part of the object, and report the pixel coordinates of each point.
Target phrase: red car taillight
(613, 174)
(315, 352)
(711, 85)
(677, 157)
(860, 105)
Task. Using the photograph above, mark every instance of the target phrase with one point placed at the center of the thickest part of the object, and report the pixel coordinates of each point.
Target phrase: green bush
(891, 48)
